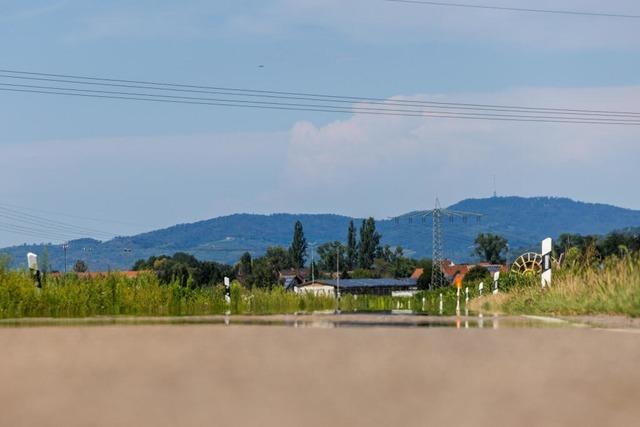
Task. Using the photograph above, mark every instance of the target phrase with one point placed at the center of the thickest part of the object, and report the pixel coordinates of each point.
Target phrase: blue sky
(156, 165)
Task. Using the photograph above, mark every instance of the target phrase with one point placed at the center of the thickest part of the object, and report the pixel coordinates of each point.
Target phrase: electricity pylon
(436, 214)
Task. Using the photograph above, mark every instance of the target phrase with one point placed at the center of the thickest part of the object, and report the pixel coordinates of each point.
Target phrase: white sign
(32, 260)
(227, 290)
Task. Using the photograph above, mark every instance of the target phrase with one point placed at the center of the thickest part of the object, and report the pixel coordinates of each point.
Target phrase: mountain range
(523, 221)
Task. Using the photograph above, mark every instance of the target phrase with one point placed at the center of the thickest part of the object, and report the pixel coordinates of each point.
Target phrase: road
(216, 375)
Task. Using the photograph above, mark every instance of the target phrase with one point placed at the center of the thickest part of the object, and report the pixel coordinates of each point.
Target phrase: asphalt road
(216, 375)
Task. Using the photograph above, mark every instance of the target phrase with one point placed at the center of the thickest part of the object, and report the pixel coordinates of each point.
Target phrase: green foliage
(491, 248)
(244, 268)
(5, 261)
(352, 247)
(185, 269)
(424, 281)
(369, 244)
(476, 275)
(585, 251)
(329, 253)
(612, 289)
(298, 248)
(80, 266)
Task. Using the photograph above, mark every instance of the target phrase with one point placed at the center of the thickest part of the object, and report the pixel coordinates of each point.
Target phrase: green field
(611, 287)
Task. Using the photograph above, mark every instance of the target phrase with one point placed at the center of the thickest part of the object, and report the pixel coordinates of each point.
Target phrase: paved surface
(197, 375)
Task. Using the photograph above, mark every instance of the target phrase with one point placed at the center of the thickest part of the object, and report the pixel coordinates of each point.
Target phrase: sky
(136, 166)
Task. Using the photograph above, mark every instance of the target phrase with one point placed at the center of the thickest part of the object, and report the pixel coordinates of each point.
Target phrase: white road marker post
(458, 302)
(496, 276)
(32, 261)
(480, 288)
(547, 247)
(466, 296)
(440, 305)
(424, 301)
(227, 295)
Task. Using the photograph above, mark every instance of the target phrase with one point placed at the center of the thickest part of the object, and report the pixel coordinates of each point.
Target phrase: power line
(518, 9)
(36, 232)
(359, 109)
(332, 109)
(102, 220)
(152, 85)
(335, 98)
(40, 221)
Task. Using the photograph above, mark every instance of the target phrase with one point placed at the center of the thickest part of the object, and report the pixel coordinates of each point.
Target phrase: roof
(92, 274)
(369, 283)
(417, 273)
(302, 272)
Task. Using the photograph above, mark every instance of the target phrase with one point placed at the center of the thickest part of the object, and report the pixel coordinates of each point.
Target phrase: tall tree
(352, 247)
(298, 248)
(329, 253)
(278, 258)
(244, 267)
(490, 247)
(369, 244)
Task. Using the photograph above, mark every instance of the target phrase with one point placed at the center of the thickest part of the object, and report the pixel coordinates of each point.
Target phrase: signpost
(32, 261)
(480, 288)
(547, 247)
(227, 291)
(496, 276)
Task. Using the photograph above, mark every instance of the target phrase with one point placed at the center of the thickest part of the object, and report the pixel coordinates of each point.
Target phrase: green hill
(523, 221)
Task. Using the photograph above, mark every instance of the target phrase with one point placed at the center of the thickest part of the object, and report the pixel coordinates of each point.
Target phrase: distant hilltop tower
(495, 193)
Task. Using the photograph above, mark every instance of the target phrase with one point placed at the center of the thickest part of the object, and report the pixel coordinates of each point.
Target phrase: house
(394, 287)
(291, 278)
(451, 269)
(317, 288)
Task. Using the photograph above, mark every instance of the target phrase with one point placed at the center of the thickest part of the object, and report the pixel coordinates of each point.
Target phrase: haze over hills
(523, 221)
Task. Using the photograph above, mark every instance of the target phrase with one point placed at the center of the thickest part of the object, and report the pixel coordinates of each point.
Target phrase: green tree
(424, 281)
(476, 274)
(80, 266)
(298, 248)
(329, 253)
(491, 247)
(352, 247)
(44, 264)
(245, 265)
(369, 244)
(278, 258)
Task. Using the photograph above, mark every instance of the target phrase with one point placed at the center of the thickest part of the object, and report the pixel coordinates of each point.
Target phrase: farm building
(395, 287)
(291, 278)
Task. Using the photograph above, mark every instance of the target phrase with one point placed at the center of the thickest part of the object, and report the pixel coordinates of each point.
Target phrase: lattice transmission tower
(436, 214)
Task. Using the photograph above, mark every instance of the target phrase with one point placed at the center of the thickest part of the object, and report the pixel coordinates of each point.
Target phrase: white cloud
(358, 165)
(383, 166)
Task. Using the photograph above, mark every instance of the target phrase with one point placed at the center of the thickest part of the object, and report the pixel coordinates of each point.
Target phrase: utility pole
(338, 275)
(65, 246)
(436, 214)
(313, 277)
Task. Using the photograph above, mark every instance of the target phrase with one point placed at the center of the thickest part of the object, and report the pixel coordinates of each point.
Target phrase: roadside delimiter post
(547, 246)
(32, 261)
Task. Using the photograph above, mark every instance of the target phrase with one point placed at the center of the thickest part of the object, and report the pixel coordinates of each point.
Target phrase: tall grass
(612, 288)
(114, 294)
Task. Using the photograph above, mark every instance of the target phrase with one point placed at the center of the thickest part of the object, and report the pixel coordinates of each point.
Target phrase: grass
(613, 288)
(113, 295)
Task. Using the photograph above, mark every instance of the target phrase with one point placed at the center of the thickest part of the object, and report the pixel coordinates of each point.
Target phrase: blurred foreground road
(212, 375)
